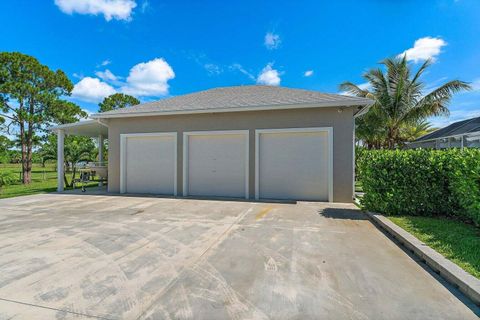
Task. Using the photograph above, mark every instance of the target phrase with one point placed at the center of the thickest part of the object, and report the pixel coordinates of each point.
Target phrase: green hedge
(421, 182)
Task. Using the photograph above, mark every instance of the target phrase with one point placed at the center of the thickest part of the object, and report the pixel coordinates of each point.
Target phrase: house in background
(253, 142)
(465, 133)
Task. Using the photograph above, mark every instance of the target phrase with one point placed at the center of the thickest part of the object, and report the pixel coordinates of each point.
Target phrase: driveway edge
(465, 282)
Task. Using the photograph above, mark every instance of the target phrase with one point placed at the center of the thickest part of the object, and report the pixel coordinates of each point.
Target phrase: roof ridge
(241, 97)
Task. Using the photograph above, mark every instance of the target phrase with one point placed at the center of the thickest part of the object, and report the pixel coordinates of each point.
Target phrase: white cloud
(105, 63)
(269, 76)
(111, 9)
(241, 69)
(145, 5)
(88, 112)
(424, 49)
(475, 84)
(149, 78)
(212, 68)
(146, 79)
(272, 41)
(106, 75)
(308, 73)
(365, 86)
(92, 90)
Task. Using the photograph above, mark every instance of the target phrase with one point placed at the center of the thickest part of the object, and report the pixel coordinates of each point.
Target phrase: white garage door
(148, 163)
(294, 164)
(216, 163)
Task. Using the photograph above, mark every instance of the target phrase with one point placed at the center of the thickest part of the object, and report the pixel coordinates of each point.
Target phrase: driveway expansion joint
(220, 238)
(55, 309)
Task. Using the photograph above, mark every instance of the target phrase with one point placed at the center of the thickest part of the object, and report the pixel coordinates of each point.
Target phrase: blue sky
(155, 49)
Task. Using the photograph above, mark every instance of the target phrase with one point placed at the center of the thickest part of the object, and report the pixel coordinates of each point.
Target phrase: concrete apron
(112, 257)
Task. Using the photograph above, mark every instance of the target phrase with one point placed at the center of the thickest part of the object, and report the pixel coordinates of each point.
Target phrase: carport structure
(88, 128)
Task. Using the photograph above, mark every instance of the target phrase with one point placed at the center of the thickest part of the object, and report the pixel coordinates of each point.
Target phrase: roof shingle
(456, 128)
(238, 97)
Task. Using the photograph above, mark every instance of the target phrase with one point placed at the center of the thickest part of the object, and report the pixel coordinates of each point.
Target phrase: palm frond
(446, 91)
(421, 70)
(353, 89)
(436, 102)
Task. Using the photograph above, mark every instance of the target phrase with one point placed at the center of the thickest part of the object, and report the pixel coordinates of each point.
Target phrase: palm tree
(414, 131)
(400, 99)
(76, 149)
(370, 129)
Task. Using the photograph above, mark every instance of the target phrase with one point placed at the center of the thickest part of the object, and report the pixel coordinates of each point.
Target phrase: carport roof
(88, 128)
(238, 98)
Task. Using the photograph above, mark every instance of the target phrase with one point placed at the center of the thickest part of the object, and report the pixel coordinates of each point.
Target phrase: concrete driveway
(111, 257)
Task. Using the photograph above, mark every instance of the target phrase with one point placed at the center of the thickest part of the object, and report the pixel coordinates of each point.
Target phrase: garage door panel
(217, 164)
(150, 164)
(293, 165)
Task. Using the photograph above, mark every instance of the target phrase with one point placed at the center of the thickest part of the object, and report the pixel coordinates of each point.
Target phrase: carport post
(100, 154)
(60, 159)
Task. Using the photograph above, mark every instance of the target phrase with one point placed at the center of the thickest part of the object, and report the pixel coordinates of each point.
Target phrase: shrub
(6, 178)
(421, 182)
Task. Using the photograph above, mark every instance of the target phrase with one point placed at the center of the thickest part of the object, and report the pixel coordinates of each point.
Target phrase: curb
(465, 282)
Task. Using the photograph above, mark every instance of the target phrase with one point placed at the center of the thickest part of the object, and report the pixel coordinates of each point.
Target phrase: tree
(400, 100)
(370, 130)
(117, 101)
(30, 99)
(63, 112)
(76, 149)
(5, 145)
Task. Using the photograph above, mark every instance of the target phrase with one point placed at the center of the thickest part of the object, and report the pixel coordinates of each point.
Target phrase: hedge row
(421, 182)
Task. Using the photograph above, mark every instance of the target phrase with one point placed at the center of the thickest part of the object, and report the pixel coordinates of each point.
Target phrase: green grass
(43, 180)
(455, 240)
(358, 186)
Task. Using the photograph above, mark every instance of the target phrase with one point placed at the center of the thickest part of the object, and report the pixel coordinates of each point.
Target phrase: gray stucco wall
(342, 123)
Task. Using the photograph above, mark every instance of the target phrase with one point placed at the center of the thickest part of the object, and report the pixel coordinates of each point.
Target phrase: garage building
(253, 142)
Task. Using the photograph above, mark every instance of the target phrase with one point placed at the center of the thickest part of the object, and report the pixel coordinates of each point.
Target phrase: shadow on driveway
(337, 213)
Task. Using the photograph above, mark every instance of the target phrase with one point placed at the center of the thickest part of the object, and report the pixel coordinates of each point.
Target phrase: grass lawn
(457, 241)
(358, 186)
(43, 180)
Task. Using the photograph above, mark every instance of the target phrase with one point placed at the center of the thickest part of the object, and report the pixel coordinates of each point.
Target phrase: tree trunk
(65, 180)
(26, 174)
(74, 171)
(65, 174)
(27, 178)
(390, 138)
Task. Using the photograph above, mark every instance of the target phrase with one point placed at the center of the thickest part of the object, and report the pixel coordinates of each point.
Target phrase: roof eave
(468, 134)
(341, 103)
(71, 125)
(89, 128)
(364, 110)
